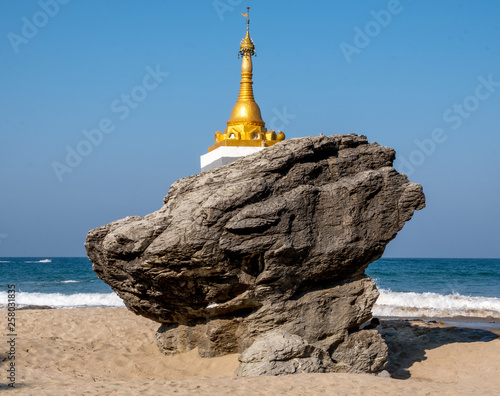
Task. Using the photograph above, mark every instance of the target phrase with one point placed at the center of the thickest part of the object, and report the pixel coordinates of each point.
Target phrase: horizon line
(436, 258)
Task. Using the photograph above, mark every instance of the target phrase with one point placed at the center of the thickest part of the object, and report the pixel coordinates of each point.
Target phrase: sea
(409, 287)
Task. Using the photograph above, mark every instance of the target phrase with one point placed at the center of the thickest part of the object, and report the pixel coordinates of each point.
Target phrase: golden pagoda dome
(246, 111)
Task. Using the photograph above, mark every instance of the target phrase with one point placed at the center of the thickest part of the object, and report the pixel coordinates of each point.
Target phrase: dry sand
(112, 352)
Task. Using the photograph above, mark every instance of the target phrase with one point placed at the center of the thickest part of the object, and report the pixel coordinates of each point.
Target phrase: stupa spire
(246, 109)
(245, 127)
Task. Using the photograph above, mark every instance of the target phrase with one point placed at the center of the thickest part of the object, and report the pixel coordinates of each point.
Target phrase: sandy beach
(112, 351)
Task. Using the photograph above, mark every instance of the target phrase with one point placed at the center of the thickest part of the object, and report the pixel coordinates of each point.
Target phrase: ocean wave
(58, 300)
(4, 261)
(389, 303)
(70, 281)
(429, 305)
(40, 261)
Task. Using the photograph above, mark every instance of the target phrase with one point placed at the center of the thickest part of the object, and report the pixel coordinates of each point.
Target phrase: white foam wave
(435, 305)
(4, 261)
(58, 300)
(40, 261)
(70, 281)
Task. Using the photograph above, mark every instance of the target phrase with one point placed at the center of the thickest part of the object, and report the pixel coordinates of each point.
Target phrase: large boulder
(276, 240)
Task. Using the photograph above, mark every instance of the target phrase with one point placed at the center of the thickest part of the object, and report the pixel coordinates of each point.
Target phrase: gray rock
(321, 317)
(280, 353)
(362, 352)
(383, 374)
(276, 240)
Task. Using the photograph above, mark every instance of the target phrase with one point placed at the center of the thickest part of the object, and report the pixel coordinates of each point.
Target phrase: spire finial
(247, 46)
(247, 16)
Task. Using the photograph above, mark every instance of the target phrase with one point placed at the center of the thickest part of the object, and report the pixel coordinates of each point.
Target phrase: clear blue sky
(422, 77)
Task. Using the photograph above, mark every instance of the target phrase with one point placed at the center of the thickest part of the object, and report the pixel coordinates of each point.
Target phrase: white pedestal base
(225, 155)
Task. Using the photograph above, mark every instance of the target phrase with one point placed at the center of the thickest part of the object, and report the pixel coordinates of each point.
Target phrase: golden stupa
(245, 127)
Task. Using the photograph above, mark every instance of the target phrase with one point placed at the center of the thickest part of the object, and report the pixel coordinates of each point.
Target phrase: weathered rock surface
(276, 240)
(280, 353)
(322, 317)
(361, 352)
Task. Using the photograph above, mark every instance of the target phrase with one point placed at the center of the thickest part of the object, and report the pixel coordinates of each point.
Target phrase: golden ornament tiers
(245, 127)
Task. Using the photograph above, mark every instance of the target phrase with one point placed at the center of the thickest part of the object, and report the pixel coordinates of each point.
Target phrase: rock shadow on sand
(408, 341)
